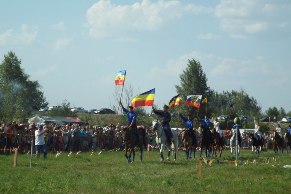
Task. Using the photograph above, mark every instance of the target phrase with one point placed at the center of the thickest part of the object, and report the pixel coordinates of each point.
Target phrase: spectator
(39, 141)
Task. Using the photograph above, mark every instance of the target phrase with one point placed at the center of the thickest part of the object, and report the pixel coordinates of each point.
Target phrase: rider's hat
(166, 106)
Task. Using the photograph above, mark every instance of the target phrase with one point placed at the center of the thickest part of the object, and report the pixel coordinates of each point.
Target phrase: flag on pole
(194, 100)
(178, 101)
(205, 100)
(120, 78)
(144, 99)
(175, 101)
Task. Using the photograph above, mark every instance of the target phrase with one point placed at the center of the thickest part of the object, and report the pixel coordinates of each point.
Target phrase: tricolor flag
(144, 99)
(194, 100)
(175, 101)
(120, 78)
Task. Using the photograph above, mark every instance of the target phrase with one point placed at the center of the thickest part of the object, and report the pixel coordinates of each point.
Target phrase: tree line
(21, 97)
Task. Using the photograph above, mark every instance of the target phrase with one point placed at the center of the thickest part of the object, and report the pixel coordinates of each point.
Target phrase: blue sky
(76, 48)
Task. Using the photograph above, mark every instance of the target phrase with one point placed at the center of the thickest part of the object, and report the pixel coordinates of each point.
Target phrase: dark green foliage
(193, 81)
(64, 110)
(19, 96)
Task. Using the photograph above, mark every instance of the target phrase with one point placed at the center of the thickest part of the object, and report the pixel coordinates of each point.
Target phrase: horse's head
(251, 135)
(155, 125)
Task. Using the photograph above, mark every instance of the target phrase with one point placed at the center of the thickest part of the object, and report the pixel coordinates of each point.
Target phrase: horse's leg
(190, 151)
(187, 153)
(169, 153)
(161, 152)
(126, 153)
(133, 154)
(175, 151)
(141, 150)
(238, 150)
(129, 156)
(206, 151)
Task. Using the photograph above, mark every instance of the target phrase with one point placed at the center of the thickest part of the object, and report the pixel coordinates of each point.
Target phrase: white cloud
(244, 18)
(60, 26)
(208, 36)
(62, 43)
(105, 18)
(25, 36)
(175, 67)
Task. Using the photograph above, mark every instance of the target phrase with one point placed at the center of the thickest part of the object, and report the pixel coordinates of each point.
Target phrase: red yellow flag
(120, 78)
(144, 99)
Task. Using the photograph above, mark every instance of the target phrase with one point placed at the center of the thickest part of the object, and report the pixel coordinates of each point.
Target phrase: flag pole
(122, 92)
(206, 107)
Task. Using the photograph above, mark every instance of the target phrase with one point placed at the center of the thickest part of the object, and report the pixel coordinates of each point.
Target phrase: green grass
(109, 172)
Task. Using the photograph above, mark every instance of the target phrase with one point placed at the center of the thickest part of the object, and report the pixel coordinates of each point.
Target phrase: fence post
(15, 157)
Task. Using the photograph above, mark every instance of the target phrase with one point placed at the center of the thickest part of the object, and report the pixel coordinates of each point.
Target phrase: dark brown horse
(288, 141)
(217, 144)
(278, 142)
(207, 140)
(189, 143)
(133, 138)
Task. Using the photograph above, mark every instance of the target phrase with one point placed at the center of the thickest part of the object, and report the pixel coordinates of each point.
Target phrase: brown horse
(187, 142)
(288, 141)
(217, 144)
(278, 142)
(133, 138)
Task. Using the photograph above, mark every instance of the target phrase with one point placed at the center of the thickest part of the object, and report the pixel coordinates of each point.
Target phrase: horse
(161, 140)
(218, 143)
(257, 141)
(207, 140)
(278, 142)
(189, 143)
(233, 141)
(288, 141)
(133, 139)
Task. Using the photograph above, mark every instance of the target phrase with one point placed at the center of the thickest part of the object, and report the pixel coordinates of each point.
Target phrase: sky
(74, 49)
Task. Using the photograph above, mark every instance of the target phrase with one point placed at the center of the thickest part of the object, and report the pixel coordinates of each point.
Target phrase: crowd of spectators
(75, 137)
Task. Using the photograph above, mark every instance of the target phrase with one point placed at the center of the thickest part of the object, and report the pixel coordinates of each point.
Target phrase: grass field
(109, 172)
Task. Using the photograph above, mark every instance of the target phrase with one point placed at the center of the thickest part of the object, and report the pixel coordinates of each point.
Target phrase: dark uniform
(166, 118)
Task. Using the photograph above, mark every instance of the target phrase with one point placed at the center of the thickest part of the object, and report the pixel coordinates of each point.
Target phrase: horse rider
(189, 125)
(258, 134)
(131, 118)
(217, 127)
(207, 124)
(288, 130)
(235, 128)
(166, 118)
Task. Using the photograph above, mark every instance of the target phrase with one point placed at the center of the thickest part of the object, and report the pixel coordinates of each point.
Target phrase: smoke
(16, 86)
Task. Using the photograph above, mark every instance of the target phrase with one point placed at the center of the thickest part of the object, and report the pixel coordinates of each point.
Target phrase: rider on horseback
(166, 118)
(258, 134)
(189, 126)
(288, 130)
(131, 118)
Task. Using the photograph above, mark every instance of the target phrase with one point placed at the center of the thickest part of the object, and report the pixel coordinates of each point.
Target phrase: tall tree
(273, 112)
(19, 96)
(193, 81)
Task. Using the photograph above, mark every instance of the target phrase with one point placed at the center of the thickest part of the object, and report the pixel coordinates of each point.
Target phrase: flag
(178, 101)
(120, 78)
(205, 101)
(175, 101)
(144, 99)
(194, 100)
